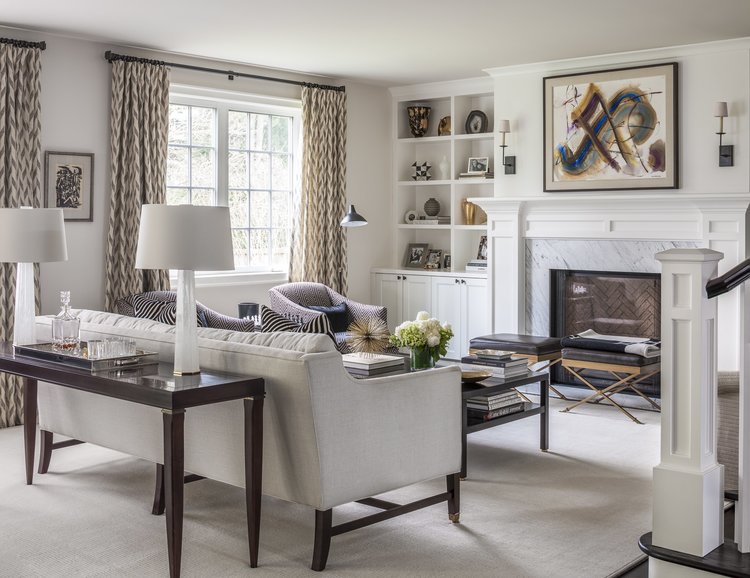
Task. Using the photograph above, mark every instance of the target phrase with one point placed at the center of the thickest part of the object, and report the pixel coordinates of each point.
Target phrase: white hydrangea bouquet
(426, 337)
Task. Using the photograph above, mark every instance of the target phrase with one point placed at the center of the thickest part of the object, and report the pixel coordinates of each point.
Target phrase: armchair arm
(380, 434)
(284, 306)
(359, 311)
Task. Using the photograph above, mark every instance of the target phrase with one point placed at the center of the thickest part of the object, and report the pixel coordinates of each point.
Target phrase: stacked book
(372, 364)
(484, 175)
(501, 363)
(477, 265)
(494, 406)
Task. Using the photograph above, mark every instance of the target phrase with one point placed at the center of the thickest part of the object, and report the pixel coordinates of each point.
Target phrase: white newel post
(688, 482)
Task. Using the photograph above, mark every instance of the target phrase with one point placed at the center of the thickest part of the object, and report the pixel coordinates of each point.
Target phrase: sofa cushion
(272, 321)
(337, 316)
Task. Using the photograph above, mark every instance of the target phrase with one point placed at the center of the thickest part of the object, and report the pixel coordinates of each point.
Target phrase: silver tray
(45, 352)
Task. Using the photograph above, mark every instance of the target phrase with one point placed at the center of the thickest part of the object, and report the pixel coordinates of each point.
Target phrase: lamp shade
(720, 109)
(353, 218)
(32, 236)
(504, 126)
(184, 237)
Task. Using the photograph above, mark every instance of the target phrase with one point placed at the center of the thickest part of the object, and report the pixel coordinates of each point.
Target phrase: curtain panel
(139, 126)
(20, 184)
(318, 251)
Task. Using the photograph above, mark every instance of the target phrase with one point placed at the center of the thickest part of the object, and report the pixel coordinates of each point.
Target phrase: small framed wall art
(478, 165)
(69, 184)
(434, 259)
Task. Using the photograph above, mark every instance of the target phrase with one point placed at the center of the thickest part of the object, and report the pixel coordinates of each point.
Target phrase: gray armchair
(294, 300)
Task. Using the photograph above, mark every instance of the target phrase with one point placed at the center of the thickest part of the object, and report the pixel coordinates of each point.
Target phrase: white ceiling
(390, 42)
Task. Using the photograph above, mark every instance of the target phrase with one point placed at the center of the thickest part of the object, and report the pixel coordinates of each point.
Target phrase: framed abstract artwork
(611, 130)
(69, 183)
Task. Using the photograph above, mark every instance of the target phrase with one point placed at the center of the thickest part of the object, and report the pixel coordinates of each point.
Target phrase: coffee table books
(502, 368)
(372, 363)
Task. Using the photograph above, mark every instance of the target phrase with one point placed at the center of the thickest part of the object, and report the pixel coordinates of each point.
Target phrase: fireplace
(610, 303)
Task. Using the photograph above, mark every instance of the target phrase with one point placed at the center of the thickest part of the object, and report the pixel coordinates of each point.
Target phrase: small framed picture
(478, 165)
(416, 255)
(434, 259)
(69, 184)
(482, 252)
(447, 261)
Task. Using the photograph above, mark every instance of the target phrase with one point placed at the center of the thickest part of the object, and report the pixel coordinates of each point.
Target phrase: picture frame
(482, 249)
(478, 165)
(632, 143)
(69, 184)
(447, 261)
(476, 122)
(416, 255)
(434, 259)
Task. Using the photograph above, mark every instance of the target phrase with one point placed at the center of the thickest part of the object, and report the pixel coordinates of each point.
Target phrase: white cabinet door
(475, 310)
(446, 306)
(417, 296)
(387, 291)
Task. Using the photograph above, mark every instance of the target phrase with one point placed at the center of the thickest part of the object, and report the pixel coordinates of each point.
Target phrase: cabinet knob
(398, 277)
(455, 280)
(404, 277)
(463, 281)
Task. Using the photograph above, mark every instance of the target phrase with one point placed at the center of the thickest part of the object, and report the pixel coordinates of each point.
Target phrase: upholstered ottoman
(627, 369)
(544, 351)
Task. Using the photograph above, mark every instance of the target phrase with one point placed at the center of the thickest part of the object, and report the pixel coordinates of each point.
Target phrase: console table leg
(174, 482)
(29, 425)
(253, 472)
(157, 509)
(544, 415)
(45, 450)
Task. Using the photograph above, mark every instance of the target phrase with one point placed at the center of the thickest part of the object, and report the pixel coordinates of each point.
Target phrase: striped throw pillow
(271, 321)
(161, 311)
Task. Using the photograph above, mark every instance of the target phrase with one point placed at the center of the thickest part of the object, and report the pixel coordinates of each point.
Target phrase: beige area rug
(576, 511)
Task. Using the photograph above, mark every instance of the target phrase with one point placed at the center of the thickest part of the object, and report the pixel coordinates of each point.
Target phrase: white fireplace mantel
(715, 221)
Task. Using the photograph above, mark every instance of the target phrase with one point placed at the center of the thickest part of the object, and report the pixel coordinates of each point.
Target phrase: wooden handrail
(729, 280)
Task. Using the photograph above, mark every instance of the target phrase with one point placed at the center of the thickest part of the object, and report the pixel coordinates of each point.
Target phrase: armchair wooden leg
(323, 525)
(453, 484)
(45, 453)
(158, 507)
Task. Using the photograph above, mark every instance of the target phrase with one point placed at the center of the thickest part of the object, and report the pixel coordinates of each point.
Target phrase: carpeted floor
(576, 511)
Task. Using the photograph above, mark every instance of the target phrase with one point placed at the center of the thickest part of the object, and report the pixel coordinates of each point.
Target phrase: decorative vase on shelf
(444, 167)
(66, 327)
(419, 119)
(432, 207)
(421, 358)
(469, 210)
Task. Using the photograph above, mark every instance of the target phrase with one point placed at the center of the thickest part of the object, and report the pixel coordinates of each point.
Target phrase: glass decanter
(66, 328)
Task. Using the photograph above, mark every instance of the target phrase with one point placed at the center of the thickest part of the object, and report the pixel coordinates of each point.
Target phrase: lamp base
(186, 330)
(24, 330)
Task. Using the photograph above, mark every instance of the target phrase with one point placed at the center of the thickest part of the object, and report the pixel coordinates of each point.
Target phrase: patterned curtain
(318, 250)
(20, 183)
(139, 123)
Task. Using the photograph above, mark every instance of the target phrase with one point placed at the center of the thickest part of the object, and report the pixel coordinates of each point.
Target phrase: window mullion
(222, 154)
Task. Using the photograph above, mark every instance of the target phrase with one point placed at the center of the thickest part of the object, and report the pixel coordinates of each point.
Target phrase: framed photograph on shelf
(69, 184)
(434, 259)
(416, 255)
(611, 129)
(447, 261)
(482, 251)
(478, 165)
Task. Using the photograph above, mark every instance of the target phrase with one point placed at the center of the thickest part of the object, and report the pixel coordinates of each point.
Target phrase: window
(238, 153)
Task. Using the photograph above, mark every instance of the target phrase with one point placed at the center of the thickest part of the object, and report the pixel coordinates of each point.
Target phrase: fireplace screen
(610, 303)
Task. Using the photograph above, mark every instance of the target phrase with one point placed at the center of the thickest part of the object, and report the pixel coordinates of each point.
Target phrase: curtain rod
(111, 57)
(24, 43)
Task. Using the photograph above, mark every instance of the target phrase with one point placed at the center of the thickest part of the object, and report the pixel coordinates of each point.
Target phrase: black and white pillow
(271, 321)
(161, 311)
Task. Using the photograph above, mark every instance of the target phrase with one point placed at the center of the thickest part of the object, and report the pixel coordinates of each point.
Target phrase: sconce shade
(32, 236)
(184, 237)
(720, 109)
(353, 219)
(504, 126)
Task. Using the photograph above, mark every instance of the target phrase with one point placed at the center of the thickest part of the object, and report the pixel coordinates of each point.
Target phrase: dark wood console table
(156, 386)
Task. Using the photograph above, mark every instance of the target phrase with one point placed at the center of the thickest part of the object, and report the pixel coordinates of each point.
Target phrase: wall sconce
(726, 152)
(508, 162)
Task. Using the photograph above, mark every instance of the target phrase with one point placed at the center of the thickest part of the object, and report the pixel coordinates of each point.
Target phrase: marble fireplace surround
(616, 231)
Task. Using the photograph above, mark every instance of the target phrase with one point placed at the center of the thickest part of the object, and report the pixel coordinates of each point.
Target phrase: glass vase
(421, 358)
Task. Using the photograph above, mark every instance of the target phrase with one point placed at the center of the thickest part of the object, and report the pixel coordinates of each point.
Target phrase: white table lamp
(29, 236)
(187, 238)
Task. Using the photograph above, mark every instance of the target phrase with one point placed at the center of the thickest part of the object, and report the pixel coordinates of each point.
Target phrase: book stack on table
(485, 408)
(501, 363)
(372, 364)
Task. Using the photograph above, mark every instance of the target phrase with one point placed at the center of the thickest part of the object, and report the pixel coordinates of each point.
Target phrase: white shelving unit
(456, 100)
